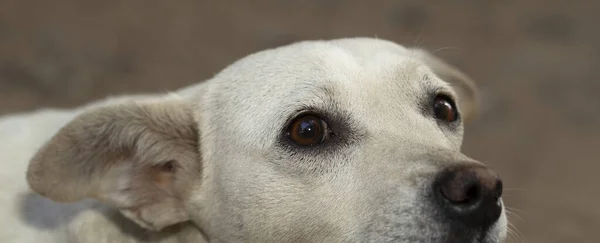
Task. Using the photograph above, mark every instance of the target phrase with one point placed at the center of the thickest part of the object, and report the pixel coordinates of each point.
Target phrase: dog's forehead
(369, 78)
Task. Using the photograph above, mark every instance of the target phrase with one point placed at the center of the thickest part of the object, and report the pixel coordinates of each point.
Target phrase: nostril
(461, 193)
(472, 194)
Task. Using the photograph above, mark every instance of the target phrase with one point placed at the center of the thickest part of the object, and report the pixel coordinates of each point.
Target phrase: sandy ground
(536, 61)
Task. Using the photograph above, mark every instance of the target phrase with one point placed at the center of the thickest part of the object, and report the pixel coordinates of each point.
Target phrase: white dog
(350, 140)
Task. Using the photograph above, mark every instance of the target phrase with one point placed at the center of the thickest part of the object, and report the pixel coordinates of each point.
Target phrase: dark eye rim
(287, 128)
(450, 99)
(345, 132)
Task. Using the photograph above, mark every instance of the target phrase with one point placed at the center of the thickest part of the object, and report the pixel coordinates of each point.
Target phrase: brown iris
(444, 109)
(308, 130)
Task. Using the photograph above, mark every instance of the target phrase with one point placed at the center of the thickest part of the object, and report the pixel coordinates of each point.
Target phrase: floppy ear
(465, 87)
(140, 157)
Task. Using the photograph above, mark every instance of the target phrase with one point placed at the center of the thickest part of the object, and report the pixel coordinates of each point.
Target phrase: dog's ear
(140, 157)
(463, 84)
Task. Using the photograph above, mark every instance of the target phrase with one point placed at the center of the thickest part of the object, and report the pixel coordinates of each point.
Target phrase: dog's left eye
(444, 109)
(308, 130)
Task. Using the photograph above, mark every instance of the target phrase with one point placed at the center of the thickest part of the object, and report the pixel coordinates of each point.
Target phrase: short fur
(211, 162)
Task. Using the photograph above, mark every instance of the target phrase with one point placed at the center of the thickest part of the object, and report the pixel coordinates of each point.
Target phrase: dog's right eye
(444, 109)
(308, 130)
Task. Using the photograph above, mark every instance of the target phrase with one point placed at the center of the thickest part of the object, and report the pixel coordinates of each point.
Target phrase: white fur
(248, 192)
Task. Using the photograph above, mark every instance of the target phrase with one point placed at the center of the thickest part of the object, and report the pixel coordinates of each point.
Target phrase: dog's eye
(444, 109)
(308, 130)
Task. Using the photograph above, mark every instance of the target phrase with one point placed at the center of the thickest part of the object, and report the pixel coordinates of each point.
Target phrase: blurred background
(537, 63)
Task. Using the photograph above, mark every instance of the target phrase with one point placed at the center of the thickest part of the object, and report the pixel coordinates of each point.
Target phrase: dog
(345, 140)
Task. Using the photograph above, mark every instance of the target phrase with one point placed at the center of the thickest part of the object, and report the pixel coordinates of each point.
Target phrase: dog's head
(350, 140)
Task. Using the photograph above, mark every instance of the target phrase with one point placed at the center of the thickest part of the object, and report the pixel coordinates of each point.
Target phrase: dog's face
(354, 140)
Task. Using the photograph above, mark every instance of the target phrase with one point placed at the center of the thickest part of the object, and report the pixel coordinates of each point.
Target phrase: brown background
(536, 61)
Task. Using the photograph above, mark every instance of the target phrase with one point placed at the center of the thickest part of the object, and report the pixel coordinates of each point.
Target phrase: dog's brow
(327, 90)
(431, 83)
(426, 77)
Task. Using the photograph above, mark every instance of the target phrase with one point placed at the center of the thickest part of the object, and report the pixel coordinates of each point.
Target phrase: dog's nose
(470, 195)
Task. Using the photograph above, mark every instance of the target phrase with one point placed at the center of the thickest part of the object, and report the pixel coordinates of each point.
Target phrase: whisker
(446, 48)
(417, 43)
(512, 234)
(512, 214)
(518, 234)
(515, 231)
(513, 209)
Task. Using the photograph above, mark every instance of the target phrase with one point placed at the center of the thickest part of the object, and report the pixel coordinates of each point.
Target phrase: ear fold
(465, 87)
(141, 158)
